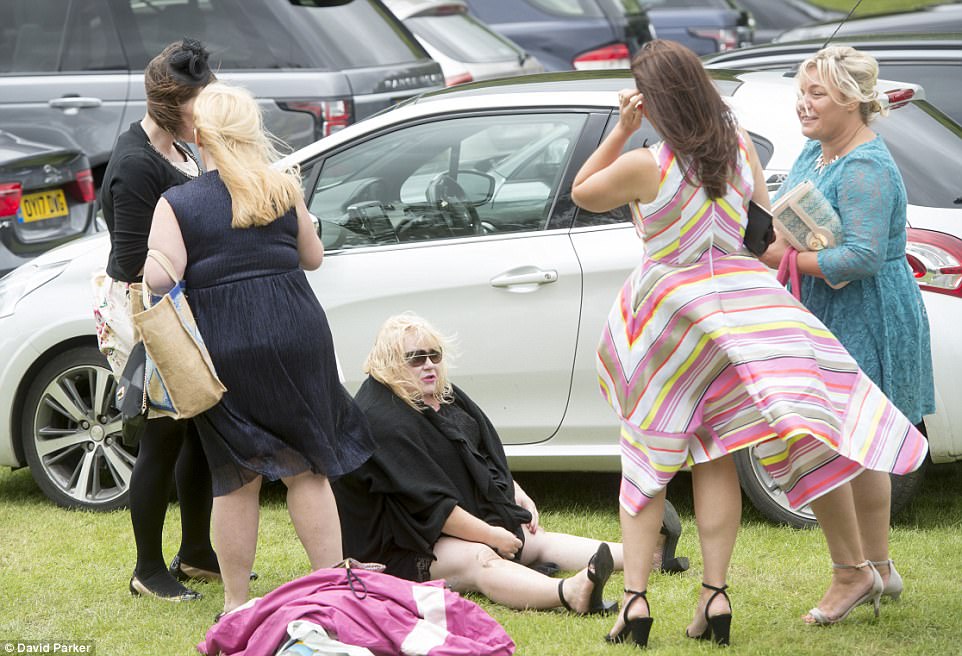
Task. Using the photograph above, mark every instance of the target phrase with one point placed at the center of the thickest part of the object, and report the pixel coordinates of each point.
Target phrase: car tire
(771, 502)
(72, 433)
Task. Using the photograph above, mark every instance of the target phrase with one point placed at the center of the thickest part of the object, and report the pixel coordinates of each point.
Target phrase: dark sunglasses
(418, 358)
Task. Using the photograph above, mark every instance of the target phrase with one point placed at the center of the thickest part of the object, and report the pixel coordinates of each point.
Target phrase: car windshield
(927, 146)
(461, 37)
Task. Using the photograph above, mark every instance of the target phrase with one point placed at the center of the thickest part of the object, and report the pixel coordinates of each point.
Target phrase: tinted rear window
(927, 146)
(359, 34)
(461, 37)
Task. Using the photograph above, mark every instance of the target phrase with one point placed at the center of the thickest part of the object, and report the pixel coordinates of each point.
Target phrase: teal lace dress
(878, 316)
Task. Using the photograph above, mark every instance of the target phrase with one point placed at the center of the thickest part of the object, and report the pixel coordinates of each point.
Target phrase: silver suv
(71, 72)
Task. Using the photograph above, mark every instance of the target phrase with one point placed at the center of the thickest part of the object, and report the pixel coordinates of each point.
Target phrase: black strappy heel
(637, 627)
(719, 626)
(600, 567)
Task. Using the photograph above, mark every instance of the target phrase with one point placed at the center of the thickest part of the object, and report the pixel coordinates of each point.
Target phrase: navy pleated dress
(285, 411)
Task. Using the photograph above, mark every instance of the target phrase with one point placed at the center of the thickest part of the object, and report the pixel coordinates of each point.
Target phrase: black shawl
(393, 507)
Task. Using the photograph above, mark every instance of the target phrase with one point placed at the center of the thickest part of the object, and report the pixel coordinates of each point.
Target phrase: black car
(71, 72)
(773, 18)
(705, 26)
(931, 60)
(46, 198)
(934, 18)
(588, 34)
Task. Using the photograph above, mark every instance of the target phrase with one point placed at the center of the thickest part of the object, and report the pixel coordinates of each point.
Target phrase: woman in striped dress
(704, 353)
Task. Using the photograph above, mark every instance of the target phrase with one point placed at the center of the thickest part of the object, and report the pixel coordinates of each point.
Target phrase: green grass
(875, 6)
(63, 576)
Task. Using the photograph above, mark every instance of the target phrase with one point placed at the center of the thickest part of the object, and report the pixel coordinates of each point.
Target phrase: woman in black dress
(240, 236)
(148, 159)
(436, 500)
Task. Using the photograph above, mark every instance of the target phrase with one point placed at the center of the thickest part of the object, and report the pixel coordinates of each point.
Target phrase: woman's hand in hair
(630, 109)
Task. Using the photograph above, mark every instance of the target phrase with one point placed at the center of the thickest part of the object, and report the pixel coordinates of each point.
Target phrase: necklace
(189, 167)
(821, 164)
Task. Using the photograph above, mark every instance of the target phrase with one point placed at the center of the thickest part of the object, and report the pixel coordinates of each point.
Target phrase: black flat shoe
(600, 568)
(184, 572)
(718, 626)
(639, 628)
(172, 593)
(671, 529)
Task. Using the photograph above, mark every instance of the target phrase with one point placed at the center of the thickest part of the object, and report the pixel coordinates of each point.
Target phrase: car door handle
(526, 275)
(75, 102)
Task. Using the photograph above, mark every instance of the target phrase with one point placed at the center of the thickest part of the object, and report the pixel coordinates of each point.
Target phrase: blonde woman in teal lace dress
(878, 314)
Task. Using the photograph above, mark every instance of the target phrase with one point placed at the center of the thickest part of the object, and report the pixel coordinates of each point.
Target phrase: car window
(237, 35)
(461, 37)
(336, 30)
(926, 146)
(932, 76)
(445, 179)
(36, 38)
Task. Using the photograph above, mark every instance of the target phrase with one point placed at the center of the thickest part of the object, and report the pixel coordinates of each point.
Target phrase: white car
(457, 206)
(467, 49)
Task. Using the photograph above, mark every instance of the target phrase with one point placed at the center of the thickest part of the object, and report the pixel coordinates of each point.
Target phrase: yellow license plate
(43, 205)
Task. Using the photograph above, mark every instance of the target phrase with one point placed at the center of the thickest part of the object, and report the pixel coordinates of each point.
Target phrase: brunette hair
(849, 75)
(684, 106)
(172, 78)
(386, 363)
(231, 130)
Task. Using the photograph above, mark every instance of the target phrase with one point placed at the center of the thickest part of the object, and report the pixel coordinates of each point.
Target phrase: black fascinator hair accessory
(188, 65)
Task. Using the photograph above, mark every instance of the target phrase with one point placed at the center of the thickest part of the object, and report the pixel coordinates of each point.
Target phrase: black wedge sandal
(719, 626)
(671, 529)
(637, 627)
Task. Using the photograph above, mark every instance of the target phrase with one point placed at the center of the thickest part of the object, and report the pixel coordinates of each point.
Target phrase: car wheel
(72, 433)
(771, 502)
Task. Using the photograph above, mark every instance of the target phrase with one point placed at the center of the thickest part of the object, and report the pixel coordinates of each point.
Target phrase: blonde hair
(849, 75)
(386, 363)
(230, 128)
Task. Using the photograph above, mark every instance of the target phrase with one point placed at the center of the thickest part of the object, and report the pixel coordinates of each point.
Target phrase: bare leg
(639, 534)
(718, 511)
(835, 512)
(570, 552)
(474, 567)
(313, 511)
(872, 492)
(235, 518)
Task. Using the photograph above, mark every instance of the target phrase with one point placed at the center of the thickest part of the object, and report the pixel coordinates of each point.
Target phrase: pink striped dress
(705, 353)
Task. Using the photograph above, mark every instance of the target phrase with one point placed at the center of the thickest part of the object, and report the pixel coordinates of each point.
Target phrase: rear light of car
(898, 97)
(10, 193)
(724, 39)
(936, 261)
(615, 55)
(82, 188)
(329, 115)
(460, 78)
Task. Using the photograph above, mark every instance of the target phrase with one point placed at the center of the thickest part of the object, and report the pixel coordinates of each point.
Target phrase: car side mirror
(478, 187)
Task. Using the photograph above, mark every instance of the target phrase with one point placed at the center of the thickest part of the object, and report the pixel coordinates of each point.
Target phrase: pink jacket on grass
(394, 616)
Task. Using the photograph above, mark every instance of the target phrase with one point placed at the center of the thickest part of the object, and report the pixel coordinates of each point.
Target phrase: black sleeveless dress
(285, 411)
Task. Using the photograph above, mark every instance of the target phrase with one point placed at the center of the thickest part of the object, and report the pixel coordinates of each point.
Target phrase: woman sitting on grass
(436, 500)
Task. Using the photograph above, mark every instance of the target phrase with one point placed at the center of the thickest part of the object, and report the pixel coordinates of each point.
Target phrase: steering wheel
(445, 195)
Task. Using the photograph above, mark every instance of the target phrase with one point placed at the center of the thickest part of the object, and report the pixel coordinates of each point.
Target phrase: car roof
(925, 18)
(753, 95)
(914, 45)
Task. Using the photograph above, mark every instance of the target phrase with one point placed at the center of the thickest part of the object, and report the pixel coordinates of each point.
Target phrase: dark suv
(71, 72)
(570, 34)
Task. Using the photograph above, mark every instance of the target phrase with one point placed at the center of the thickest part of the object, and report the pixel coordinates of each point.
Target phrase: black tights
(170, 450)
